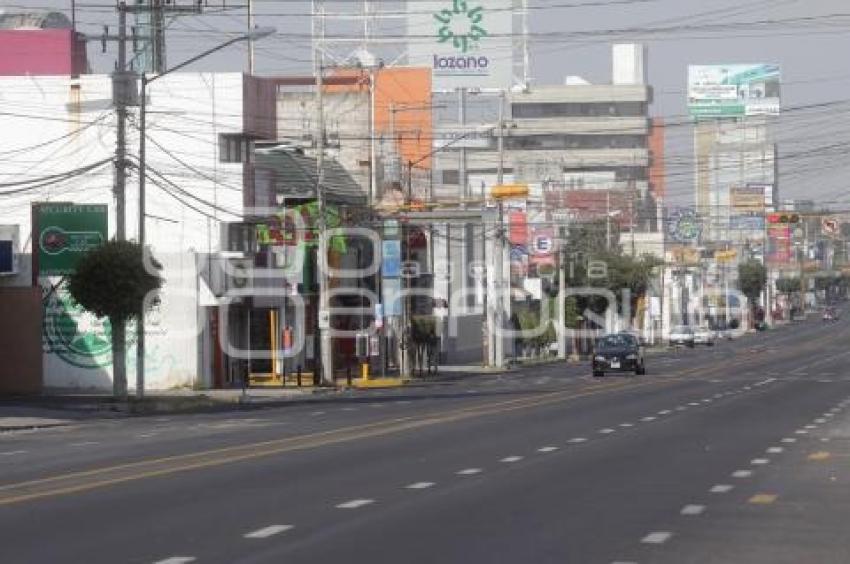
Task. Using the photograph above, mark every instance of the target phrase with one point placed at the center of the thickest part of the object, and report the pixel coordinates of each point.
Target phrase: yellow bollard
(364, 371)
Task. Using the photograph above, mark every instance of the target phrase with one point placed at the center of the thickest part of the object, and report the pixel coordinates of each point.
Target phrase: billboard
(63, 233)
(747, 199)
(733, 90)
(465, 43)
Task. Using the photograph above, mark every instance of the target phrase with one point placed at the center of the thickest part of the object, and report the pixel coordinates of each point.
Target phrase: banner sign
(466, 43)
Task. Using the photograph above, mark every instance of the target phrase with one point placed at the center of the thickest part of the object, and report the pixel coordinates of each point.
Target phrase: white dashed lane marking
(13, 452)
(789, 440)
(721, 488)
(659, 537)
(664, 412)
(577, 440)
(606, 431)
(627, 425)
(355, 503)
(420, 486)
(648, 418)
(84, 444)
(267, 532)
(547, 449)
(511, 459)
(775, 450)
(469, 471)
(693, 509)
(742, 473)
(177, 560)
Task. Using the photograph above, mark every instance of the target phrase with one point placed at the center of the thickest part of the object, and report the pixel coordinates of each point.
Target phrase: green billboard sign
(65, 232)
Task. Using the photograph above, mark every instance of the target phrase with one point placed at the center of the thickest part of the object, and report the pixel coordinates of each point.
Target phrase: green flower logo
(460, 25)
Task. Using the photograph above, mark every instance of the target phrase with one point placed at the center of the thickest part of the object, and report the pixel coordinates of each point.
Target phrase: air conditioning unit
(9, 249)
(238, 275)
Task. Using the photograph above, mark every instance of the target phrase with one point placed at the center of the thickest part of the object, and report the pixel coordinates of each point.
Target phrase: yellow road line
(763, 499)
(33, 489)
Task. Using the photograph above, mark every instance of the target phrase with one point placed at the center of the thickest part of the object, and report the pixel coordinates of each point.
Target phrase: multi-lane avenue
(738, 453)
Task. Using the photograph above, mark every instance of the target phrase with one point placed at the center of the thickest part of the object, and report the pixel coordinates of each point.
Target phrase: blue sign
(391, 263)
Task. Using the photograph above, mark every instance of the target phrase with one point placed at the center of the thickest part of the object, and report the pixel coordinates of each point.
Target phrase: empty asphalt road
(734, 454)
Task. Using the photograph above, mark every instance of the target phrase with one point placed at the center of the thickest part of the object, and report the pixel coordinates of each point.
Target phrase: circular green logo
(74, 334)
(460, 25)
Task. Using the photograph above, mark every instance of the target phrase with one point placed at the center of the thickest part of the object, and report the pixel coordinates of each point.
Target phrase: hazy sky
(571, 40)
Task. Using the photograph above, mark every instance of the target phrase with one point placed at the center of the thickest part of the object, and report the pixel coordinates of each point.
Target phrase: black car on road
(621, 352)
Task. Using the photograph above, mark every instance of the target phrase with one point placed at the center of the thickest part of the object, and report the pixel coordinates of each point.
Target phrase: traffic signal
(783, 218)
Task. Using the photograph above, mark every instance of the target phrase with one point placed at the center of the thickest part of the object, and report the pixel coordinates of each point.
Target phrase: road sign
(831, 227)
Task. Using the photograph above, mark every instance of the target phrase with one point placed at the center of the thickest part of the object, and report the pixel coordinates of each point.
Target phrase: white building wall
(55, 124)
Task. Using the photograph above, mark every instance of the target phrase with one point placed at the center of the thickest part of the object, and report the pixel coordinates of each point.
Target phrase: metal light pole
(256, 34)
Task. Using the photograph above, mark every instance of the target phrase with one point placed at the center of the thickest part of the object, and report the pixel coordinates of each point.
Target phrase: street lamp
(253, 35)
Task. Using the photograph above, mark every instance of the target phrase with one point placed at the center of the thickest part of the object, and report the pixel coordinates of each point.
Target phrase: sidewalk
(23, 418)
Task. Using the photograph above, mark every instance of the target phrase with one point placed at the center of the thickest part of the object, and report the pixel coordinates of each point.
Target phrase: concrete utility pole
(120, 93)
(499, 283)
(251, 58)
(324, 325)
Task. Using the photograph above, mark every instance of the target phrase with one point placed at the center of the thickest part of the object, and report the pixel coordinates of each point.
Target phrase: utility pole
(120, 93)
(499, 283)
(251, 59)
(324, 325)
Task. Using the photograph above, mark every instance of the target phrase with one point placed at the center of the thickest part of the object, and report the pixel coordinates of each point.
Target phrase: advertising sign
(746, 199)
(66, 232)
(747, 223)
(391, 264)
(466, 43)
(480, 137)
(733, 90)
(779, 244)
(684, 226)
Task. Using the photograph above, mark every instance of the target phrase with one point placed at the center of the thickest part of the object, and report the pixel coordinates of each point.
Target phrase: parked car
(681, 335)
(830, 314)
(621, 352)
(723, 330)
(704, 336)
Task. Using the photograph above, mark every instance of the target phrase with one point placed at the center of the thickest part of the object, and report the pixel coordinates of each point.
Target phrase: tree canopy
(113, 280)
(751, 278)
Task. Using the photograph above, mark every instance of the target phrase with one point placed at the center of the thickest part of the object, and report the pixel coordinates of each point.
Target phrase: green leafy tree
(788, 285)
(113, 281)
(752, 277)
